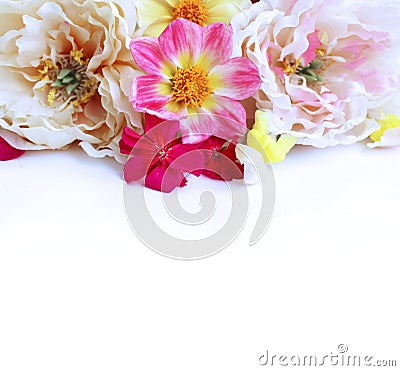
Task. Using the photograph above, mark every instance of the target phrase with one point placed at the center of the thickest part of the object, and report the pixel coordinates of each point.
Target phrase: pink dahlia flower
(191, 77)
(327, 66)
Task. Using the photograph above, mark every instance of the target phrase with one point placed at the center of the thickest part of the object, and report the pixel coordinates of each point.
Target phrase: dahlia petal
(151, 10)
(182, 42)
(238, 79)
(8, 152)
(148, 56)
(150, 94)
(158, 26)
(217, 45)
(219, 116)
(224, 10)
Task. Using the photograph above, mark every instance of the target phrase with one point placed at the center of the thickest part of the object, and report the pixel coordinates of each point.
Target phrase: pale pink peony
(327, 66)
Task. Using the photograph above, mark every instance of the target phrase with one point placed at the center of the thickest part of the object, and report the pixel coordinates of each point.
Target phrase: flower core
(191, 86)
(192, 10)
(67, 80)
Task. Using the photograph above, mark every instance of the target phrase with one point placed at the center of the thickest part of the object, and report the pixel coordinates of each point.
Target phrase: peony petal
(152, 94)
(217, 45)
(7, 152)
(181, 42)
(238, 79)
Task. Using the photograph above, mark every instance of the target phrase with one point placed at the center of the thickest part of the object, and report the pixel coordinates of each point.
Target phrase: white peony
(65, 74)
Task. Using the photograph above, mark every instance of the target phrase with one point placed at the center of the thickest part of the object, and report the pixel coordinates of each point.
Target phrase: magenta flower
(190, 76)
(7, 152)
(220, 159)
(159, 156)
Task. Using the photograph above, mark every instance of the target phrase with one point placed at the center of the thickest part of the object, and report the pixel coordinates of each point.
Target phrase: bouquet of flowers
(177, 87)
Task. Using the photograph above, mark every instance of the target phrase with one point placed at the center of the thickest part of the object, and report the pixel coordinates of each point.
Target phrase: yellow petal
(387, 122)
(223, 10)
(260, 139)
(150, 11)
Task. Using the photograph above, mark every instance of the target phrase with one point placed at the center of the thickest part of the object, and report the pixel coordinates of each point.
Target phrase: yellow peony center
(66, 80)
(192, 10)
(191, 86)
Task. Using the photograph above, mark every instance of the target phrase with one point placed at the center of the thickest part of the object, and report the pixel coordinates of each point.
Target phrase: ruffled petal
(217, 45)
(238, 79)
(182, 42)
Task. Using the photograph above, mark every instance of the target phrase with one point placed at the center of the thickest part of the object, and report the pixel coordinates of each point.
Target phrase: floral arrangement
(149, 81)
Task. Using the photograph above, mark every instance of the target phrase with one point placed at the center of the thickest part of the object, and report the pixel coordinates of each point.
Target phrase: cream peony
(65, 74)
(327, 66)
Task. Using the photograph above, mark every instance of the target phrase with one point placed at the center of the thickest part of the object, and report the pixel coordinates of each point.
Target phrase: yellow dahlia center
(191, 86)
(66, 80)
(192, 10)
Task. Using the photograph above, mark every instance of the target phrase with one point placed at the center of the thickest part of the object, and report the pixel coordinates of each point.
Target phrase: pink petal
(217, 45)
(181, 42)
(219, 116)
(186, 157)
(136, 168)
(313, 43)
(164, 178)
(163, 133)
(128, 140)
(148, 95)
(7, 152)
(238, 79)
(150, 121)
(147, 54)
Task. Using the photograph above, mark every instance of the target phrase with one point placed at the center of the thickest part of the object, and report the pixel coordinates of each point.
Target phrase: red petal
(186, 157)
(164, 178)
(8, 152)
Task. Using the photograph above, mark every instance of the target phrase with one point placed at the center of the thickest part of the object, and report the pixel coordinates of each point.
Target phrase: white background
(79, 291)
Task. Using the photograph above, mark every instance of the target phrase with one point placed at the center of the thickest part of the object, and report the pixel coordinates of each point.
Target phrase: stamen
(191, 86)
(67, 80)
(192, 10)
